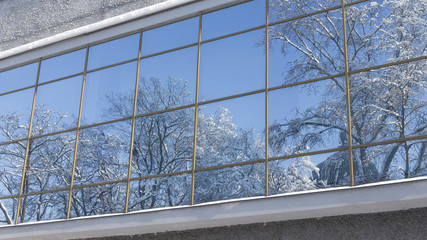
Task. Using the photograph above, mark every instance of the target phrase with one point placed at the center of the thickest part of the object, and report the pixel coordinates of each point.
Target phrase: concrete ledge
(371, 198)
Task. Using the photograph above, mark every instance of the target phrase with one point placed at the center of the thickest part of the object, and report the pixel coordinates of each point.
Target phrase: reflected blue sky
(62, 66)
(170, 36)
(18, 77)
(251, 14)
(115, 51)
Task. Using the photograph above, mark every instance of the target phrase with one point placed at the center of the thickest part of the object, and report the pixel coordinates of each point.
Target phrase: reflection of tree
(386, 104)
(47, 166)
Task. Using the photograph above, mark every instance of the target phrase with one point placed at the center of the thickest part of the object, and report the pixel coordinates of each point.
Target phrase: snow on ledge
(109, 22)
(369, 198)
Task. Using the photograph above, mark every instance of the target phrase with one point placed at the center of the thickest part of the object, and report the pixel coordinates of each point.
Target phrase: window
(212, 107)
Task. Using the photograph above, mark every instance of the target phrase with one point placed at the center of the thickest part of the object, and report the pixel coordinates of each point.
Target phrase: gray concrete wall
(25, 21)
(408, 224)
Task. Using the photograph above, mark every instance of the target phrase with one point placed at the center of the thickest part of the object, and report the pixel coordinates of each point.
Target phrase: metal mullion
(70, 195)
(230, 165)
(17, 90)
(45, 191)
(164, 111)
(388, 65)
(305, 15)
(105, 123)
(196, 112)
(267, 33)
(308, 154)
(162, 175)
(231, 97)
(132, 136)
(53, 133)
(233, 34)
(356, 2)
(390, 142)
(8, 197)
(27, 147)
(111, 65)
(14, 141)
(62, 78)
(168, 51)
(99, 184)
(347, 84)
(306, 81)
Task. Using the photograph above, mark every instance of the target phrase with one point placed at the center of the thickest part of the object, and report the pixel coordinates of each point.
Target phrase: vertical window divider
(70, 195)
(196, 111)
(347, 84)
(24, 177)
(132, 136)
(266, 95)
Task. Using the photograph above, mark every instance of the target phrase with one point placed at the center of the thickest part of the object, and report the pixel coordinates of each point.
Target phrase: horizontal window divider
(62, 78)
(165, 110)
(355, 2)
(421, 137)
(388, 65)
(229, 165)
(8, 197)
(306, 81)
(169, 50)
(99, 184)
(13, 141)
(305, 15)
(160, 175)
(45, 192)
(105, 123)
(231, 97)
(53, 133)
(112, 65)
(233, 34)
(17, 90)
(308, 154)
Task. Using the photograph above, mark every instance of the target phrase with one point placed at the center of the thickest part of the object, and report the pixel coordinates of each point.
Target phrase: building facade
(182, 114)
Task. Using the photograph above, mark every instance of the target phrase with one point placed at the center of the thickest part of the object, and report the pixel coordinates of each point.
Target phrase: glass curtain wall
(261, 98)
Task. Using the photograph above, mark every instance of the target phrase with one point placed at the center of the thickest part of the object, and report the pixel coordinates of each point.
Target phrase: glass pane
(11, 163)
(309, 172)
(18, 78)
(232, 65)
(285, 9)
(307, 118)
(50, 162)
(233, 19)
(112, 52)
(170, 36)
(57, 106)
(103, 153)
(62, 66)
(229, 183)
(46, 206)
(389, 103)
(167, 81)
(163, 143)
(231, 131)
(8, 213)
(160, 192)
(15, 111)
(390, 162)
(381, 32)
(98, 200)
(109, 94)
(306, 48)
